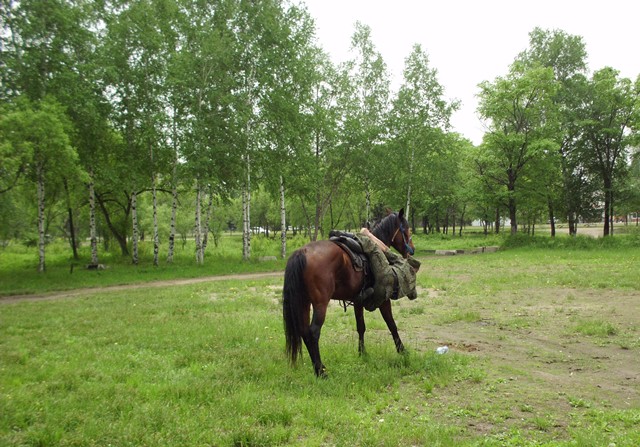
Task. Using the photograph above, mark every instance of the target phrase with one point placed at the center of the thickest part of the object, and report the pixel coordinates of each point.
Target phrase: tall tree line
(207, 107)
(559, 139)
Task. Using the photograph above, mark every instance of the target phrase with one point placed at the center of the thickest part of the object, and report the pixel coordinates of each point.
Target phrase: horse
(321, 271)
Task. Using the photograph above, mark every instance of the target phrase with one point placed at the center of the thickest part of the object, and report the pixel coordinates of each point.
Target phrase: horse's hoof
(321, 373)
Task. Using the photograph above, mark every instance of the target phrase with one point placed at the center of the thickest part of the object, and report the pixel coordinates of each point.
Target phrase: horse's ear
(401, 213)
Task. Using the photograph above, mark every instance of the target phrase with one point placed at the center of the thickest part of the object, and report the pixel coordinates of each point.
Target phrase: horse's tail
(295, 301)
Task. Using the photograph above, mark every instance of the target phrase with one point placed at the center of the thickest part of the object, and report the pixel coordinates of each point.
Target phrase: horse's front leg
(387, 315)
(358, 311)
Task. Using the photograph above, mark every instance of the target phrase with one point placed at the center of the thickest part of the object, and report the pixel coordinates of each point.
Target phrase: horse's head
(394, 231)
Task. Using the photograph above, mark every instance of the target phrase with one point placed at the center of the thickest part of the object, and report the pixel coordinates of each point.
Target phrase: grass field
(544, 350)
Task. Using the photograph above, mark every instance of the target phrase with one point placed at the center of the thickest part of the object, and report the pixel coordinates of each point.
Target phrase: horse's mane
(385, 228)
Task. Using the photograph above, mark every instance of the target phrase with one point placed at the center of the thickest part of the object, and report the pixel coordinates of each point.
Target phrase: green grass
(18, 271)
(203, 364)
(596, 328)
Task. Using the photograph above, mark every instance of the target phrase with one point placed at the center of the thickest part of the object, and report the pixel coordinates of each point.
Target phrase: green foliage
(159, 93)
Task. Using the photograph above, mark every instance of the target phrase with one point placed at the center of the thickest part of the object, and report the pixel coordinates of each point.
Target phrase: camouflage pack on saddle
(394, 276)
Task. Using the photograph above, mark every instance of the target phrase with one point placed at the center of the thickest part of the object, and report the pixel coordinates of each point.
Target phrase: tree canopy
(120, 111)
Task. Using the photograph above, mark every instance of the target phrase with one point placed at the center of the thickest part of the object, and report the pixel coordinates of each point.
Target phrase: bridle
(407, 247)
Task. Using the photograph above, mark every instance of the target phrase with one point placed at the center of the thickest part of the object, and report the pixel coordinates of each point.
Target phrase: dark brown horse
(321, 271)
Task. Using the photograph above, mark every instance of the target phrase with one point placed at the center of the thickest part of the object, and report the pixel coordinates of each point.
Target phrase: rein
(404, 239)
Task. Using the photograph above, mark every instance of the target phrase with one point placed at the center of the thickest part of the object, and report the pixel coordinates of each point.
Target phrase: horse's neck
(377, 232)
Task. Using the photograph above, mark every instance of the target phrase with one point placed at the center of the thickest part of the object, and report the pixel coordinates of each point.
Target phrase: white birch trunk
(205, 235)
(156, 236)
(407, 208)
(172, 228)
(244, 223)
(246, 218)
(198, 228)
(174, 191)
(283, 221)
(92, 222)
(134, 219)
(367, 193)
(41, 235)
(246, 208)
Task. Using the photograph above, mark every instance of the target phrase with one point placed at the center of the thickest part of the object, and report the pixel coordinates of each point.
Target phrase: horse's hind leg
(387, 315)
(311, 338)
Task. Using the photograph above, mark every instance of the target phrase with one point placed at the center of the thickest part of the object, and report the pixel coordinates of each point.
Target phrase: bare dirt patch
(540, 366)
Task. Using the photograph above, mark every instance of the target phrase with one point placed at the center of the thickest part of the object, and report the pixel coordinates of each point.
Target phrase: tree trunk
(573, 224)
(552, 219)
(513, 216)
(611, 214)
(121, 238)
(407, 207)
(198, 228)
(497, 220)
(207, 222)
(453, 223)
(72, 228)
(607, 207)
(134, 219)
(41, 235)
(174, 190)
(367, 194)
(413, 221)
(283, 221)
(246, 217)
(92, 222)
(172, 227)
(316, 218)
(156, 235)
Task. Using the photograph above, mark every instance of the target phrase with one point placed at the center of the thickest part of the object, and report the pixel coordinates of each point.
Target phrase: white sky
(470, 41)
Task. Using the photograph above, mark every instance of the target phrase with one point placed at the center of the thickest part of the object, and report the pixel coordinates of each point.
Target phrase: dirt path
(172, 282)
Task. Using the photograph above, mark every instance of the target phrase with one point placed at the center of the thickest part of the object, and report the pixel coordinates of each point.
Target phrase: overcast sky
(470, 41)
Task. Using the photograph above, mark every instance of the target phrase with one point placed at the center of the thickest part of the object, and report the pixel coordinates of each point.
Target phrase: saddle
(351, 246)
(359, 259)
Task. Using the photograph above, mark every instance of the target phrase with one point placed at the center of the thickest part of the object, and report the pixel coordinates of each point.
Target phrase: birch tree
(285, 109)
(365, 121)
(41, 132)
(420, 115)
(203, 85)
(323, 166)
(49, 48)
(136, 50)
(266, 56)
